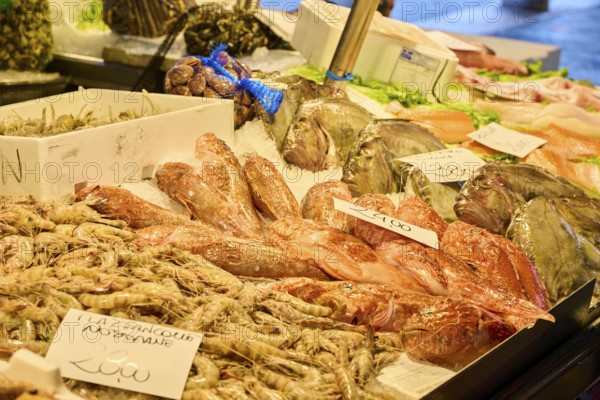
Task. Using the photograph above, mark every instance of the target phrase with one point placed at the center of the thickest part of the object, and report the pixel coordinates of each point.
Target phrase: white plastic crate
(393, 51)
(113, 154)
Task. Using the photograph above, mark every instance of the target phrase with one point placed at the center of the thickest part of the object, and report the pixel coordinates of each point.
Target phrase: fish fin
(185, 205)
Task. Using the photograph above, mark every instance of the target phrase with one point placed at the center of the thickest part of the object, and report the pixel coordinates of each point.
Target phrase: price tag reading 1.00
(413, 232)
(125, 354)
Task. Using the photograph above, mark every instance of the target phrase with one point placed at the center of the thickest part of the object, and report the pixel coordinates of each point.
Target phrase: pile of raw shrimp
(61, 255)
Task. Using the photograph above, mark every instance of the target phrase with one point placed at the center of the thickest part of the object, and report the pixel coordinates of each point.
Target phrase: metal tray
(489, 373)
(15, 91)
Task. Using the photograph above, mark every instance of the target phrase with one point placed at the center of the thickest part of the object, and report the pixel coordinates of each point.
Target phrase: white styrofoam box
(393, 51)
(123, 152)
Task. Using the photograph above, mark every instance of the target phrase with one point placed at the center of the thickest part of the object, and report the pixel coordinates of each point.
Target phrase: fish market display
(98, 268)
(561, 236)
(318, 247)
(369, 168)
(490, 198)
(318, 205)
(322, 133)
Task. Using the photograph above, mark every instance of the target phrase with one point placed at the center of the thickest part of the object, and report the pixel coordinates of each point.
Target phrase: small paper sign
(414, 378)
(450, 165)
(506, 140)
(125, 354)
(413, 232)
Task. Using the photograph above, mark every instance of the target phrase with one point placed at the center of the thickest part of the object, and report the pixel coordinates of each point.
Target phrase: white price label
(414, 378)
(506, 140)
(125, 354)
(450, 165)
(413, 232)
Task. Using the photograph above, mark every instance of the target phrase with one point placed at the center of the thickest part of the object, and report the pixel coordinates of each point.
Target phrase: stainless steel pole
(352, 40)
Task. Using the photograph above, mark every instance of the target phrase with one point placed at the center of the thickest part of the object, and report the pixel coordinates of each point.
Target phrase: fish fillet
(586, 174)
(449, 126)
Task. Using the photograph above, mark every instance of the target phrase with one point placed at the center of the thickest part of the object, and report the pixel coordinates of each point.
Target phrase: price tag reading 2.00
(122, 353)
(413, 232)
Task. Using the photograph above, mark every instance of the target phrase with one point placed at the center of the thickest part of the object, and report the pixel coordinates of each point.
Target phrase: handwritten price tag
(125, 354)
(506, 140)
(450, 165)
(413, 232)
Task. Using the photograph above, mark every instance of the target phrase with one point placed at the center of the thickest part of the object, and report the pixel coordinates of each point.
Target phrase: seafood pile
(239, 28)
(572, 135)
(147, 18)
(555, 89)
(15, 125)
(552, 220)
(25, 35)
(316, 125)
(189, 77)
(246, 221)
(257, 343)
(315, 136)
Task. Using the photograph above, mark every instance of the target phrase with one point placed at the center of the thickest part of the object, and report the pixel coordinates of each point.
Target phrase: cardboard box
(393, 51)
(112, 154)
